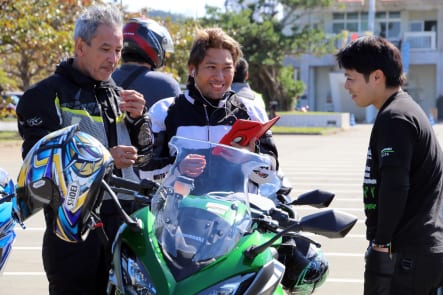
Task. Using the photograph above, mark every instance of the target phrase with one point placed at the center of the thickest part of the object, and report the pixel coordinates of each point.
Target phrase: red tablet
(244, 130)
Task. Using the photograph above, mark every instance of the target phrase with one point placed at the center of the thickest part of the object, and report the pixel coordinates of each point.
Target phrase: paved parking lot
(332, 162)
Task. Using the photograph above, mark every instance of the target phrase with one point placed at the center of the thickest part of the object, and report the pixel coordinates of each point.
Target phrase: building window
(416, 26)
(350, 21)
(422, 26)
(387, 24)
(431, 26)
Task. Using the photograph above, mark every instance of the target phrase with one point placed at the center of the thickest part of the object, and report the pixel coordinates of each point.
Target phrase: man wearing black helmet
(145, 43)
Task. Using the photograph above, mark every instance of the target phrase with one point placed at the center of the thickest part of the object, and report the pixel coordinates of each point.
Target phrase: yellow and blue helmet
(64, 171)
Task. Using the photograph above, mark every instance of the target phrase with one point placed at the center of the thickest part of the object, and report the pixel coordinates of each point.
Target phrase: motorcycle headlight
(230, 287)
(136, 278)
(266, 280)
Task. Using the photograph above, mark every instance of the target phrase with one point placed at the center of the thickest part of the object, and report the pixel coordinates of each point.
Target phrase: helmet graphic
(148, 39)
(313, 276)
(64, 171)
(7, 221)
(306, 268)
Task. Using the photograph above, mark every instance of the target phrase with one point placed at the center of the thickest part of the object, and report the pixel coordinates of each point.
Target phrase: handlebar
(6, 198)
(144, 187)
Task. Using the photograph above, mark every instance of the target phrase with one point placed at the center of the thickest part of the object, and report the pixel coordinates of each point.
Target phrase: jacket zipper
(207, 121)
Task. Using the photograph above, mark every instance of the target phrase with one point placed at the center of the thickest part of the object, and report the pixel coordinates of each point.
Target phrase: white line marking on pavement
(353, 236)
(330, 280)
(26, 248)
(329, 254)
(24, 273)
(32, 228)
(340, 209)
(354, 281)
(356, 236)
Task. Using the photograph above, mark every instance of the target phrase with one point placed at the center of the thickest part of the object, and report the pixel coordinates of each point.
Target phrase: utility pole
(371, 16)
(370, 110)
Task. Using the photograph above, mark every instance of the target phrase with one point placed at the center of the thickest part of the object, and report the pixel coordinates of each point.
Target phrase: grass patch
(304, 130)
(9, 135)
(9, 119)
(13, 135)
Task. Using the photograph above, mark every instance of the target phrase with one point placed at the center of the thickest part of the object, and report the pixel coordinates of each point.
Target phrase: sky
(191, 8)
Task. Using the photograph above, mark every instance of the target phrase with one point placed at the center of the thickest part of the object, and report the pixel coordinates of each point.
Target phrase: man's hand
(380, 249)
(124, 156)
(192, 165)
(250, 146)
(132, 102)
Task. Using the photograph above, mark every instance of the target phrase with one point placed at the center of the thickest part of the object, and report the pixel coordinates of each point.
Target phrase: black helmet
(147, 39)
(306, 266)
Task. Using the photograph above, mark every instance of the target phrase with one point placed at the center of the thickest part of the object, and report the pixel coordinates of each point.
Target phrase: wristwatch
(385, 247)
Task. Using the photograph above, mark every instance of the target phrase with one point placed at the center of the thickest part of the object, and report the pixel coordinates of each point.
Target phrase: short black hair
(241, 71)
(369, 53)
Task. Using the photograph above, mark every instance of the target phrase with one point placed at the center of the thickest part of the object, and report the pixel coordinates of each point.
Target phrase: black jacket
(68, 97)
(403, 184)
(188, 115)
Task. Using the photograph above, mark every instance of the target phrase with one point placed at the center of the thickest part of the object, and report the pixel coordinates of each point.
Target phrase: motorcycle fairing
(168, 279)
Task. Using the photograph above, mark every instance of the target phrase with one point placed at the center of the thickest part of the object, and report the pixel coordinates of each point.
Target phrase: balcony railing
(420, 40)
(416, 40)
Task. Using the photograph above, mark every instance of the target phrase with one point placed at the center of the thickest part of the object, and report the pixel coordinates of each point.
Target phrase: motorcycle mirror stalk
(133, 224)
(328, 223)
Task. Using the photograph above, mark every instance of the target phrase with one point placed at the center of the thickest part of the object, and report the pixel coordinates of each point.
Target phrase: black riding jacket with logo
(403, 183)
(188, 115)
(69, 97)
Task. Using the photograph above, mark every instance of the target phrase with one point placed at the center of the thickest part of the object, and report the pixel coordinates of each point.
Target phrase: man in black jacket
(209, 108)
(241, 85)
(82, 92)
(206, 112)
(403, 182)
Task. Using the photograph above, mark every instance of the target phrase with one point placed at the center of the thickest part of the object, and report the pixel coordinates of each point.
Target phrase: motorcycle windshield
(203, 217)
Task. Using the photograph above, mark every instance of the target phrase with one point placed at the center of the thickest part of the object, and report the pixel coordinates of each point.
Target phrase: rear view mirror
(316, 198)
(328, 223)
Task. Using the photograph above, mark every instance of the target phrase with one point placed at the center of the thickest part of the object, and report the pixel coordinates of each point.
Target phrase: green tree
(6, 83)
(267, 39)
(35, 36)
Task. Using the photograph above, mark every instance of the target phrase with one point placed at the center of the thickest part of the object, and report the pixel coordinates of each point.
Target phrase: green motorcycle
(215, 233)
(219, 231)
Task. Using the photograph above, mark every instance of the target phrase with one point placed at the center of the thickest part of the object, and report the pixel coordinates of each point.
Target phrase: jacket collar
(66, 68)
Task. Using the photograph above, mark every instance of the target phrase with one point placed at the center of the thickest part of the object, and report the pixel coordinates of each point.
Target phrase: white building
(417, 24)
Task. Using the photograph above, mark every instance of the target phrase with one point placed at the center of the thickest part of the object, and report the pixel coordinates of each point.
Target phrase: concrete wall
(339, 120)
